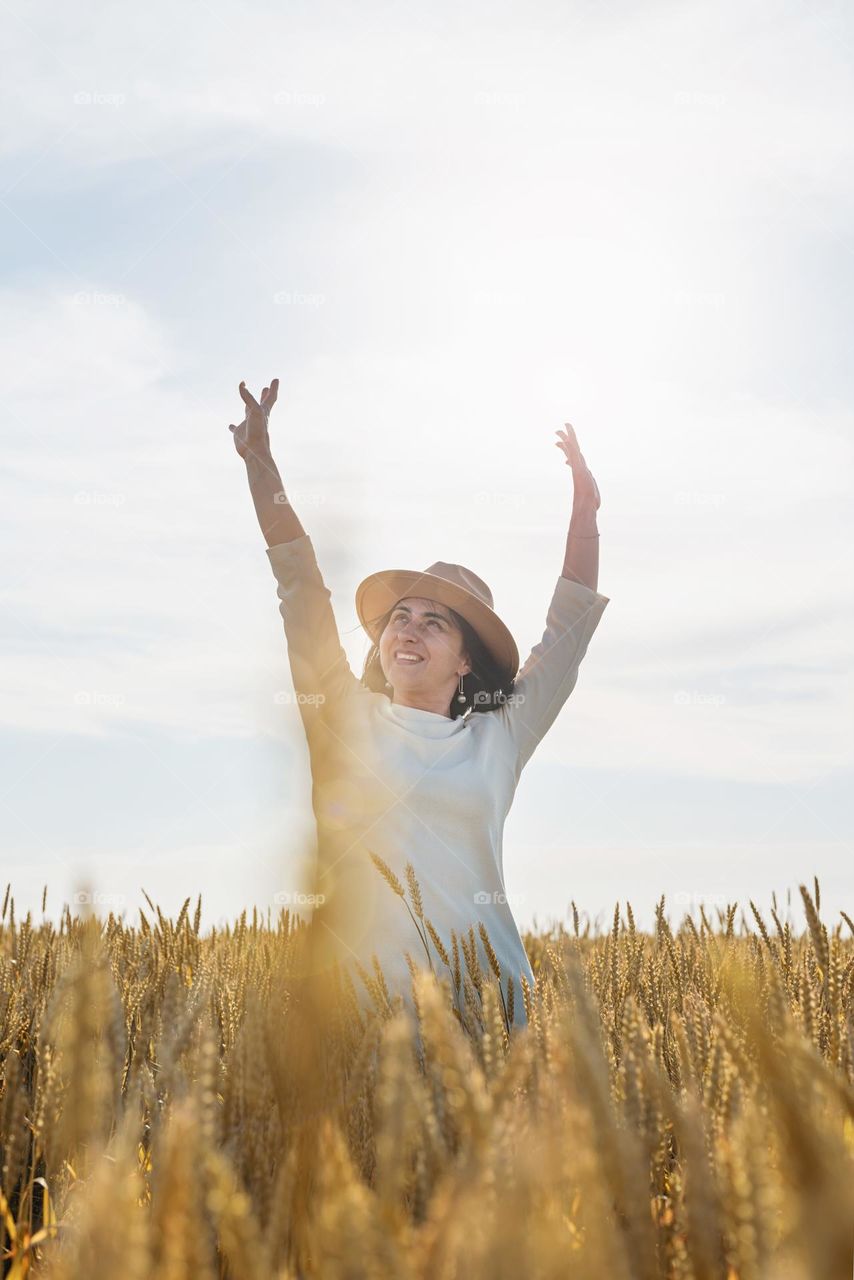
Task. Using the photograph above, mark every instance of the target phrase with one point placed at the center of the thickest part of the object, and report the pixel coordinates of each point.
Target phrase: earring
(387, 684)
(461, 697)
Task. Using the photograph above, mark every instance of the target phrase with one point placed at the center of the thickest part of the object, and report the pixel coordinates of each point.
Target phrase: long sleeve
(550, 672)
(319, 666)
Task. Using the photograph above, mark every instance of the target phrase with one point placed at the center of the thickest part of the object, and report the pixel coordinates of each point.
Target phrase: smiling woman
(436, 632)
(415, 765)
(422, 654)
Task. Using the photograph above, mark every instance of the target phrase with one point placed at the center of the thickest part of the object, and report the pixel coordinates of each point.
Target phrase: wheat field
(187, 1105)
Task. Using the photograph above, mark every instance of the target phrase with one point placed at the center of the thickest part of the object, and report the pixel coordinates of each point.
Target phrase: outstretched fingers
(269, 395)
(569, 437)
(247, 396)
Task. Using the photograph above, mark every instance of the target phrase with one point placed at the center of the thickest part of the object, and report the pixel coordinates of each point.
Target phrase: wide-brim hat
(452, 585)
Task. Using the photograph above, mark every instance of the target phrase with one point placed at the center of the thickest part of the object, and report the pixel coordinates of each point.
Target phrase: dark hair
(485, 686)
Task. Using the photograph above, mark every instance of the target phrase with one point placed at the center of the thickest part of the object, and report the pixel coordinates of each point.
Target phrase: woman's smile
(406, 658)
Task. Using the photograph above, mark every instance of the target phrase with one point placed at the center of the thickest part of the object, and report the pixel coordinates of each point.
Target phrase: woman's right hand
(251, 436)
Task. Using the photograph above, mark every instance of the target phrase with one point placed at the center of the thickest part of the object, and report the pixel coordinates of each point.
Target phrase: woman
(418, 760)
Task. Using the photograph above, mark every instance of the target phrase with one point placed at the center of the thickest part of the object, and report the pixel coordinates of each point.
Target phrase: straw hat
(451, 584)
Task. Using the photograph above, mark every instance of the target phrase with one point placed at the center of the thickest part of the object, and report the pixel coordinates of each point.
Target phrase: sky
(448, 231)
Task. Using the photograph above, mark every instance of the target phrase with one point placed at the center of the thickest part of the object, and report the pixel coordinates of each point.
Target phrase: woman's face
(421, 650)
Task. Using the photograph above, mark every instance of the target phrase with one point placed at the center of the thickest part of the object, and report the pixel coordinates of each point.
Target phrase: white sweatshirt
(413, 785)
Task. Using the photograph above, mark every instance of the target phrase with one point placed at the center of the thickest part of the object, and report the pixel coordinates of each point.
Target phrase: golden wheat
(180, 1104)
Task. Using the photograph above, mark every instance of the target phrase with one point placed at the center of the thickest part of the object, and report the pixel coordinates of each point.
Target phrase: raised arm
(319, 666)
(581, 558)
(550, 672)
(277, 518)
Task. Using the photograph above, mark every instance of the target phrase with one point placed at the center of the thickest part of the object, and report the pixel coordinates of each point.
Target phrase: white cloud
(634, 220)
(705, 549)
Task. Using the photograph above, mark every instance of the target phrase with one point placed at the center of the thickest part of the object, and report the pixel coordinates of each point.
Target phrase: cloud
(123, 602)
(642, 84)
(447, 240)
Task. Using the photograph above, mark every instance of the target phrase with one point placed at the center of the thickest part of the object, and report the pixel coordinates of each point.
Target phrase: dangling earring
(461, 697)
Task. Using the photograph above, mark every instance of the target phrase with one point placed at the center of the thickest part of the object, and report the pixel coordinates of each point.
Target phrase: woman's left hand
(586, 490)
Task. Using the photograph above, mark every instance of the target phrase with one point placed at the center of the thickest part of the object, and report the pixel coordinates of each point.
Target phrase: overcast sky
(448, 231)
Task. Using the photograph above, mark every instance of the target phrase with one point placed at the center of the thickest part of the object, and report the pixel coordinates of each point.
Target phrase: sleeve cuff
(284, 552)
(577, 590)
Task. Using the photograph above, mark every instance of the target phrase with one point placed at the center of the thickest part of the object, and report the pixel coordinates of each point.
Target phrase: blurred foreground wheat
(180, 1105)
